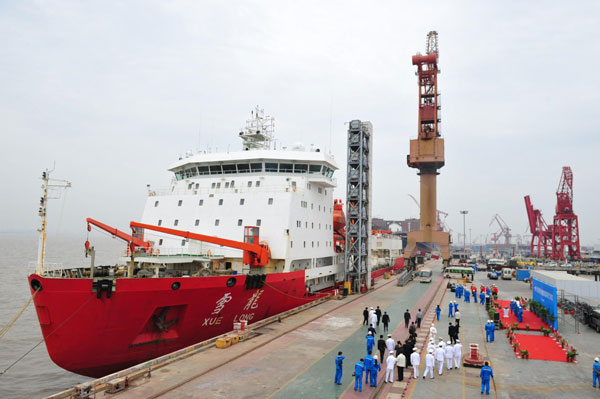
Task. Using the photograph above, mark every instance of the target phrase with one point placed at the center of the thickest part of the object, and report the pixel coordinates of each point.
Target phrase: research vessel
(239, 235)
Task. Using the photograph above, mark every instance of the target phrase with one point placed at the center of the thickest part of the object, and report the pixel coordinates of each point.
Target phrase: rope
(19, 313)
(47, 336)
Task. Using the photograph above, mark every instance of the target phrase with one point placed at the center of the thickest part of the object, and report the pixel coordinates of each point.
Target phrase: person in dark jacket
(385, 319)
(452, 333)
(371, 330)
(412, 330)
(407, 350)
(381, 346)
(366, 316)
(456, 330)
(406, 321)
(378, 313)
(398, 348)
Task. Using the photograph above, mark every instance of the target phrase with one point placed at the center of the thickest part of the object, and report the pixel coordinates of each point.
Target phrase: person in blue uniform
(467, 296)
(450, 309)
(370, 341)
(339, 360)
(359, 367)
(486, 373)
(375, 367)
(488, 333)
(520, 314)
(492, 331)
(368, 366)
(438, 310)
(596, 372)
(455, 307)
(482, 297)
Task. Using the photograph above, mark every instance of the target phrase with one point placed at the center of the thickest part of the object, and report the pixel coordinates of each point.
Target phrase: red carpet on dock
(541, 348)
(528, 318)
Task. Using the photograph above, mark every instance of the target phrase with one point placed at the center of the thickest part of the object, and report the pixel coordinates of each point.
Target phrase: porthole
(231, 282)
(175, 286)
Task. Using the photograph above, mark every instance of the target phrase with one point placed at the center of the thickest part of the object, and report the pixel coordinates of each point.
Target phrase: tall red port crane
(565, 232)
(541, 234)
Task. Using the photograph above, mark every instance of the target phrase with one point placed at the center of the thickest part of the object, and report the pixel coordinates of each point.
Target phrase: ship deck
(295, 358)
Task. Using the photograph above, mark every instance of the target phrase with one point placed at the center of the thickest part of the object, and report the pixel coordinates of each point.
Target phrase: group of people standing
(398, 357)
(443, 352)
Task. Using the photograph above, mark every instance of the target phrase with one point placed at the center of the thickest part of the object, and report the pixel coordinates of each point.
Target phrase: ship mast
(258, 132)
(47, 188)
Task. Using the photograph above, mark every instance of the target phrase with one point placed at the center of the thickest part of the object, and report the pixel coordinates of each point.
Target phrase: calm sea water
(36, 375)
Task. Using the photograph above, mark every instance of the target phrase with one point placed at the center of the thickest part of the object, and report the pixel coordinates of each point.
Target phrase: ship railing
(206, 252)
(49, 267)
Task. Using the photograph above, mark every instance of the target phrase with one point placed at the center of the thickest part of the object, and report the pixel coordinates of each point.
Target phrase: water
(36, 375)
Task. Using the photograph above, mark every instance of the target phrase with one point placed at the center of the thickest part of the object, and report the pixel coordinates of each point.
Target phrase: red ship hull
(146, 318)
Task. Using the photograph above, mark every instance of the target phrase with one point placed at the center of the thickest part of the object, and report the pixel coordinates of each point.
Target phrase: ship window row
(312, 225)
(240, 222)
(253, 167)
(221, 202)
(312, 244)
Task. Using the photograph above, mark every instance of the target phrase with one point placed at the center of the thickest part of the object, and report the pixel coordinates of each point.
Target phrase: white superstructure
(287, 193)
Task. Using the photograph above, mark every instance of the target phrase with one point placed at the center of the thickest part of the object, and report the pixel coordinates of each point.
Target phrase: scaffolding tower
(358, 203)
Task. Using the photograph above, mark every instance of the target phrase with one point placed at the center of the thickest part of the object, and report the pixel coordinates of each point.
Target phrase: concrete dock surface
(295, 358)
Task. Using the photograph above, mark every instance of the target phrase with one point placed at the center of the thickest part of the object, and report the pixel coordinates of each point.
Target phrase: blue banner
(546, 295)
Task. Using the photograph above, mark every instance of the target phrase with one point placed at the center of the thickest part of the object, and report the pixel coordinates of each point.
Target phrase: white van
(507, 273)
(425, 276)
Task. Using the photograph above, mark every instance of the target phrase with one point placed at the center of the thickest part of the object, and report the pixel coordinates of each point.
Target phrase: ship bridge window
(201, 202)
(226, 184)
(203, 170)
(179, 202)
(213, 185)
(270, 202)
(286, 168)
(242, 201)
(314, 169)
(249, 184)
(243, 167)
(191, 172)
(258, 222)
(256, 167)
(215, 170)
(232, 183)
(220, 202)
(257, 183)
(271, 166)
(178, 175)
(300, 168)
(229, 169)
(155, 204)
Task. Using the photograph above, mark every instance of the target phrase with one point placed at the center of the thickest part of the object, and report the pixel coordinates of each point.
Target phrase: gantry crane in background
(563, 235)
(441, 224)
(503, 232)
(565, 232)
(541, 235)
(427, 154)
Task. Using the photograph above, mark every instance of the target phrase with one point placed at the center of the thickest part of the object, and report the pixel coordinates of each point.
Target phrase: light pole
(464, 213)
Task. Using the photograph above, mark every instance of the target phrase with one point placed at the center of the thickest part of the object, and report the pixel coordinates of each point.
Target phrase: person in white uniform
(390, 344)
(431, 345)
(373, 320)
(390, 363)
(429, 364)
(449, 353)
(415, 360)
(457, 354)
(442, 343)
(432, 331)
(439, 357)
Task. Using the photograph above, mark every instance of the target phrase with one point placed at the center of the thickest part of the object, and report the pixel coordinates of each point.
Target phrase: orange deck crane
(133, 242)
(255, 253)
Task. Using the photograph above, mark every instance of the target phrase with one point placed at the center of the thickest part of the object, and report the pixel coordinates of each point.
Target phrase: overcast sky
(115, 91)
